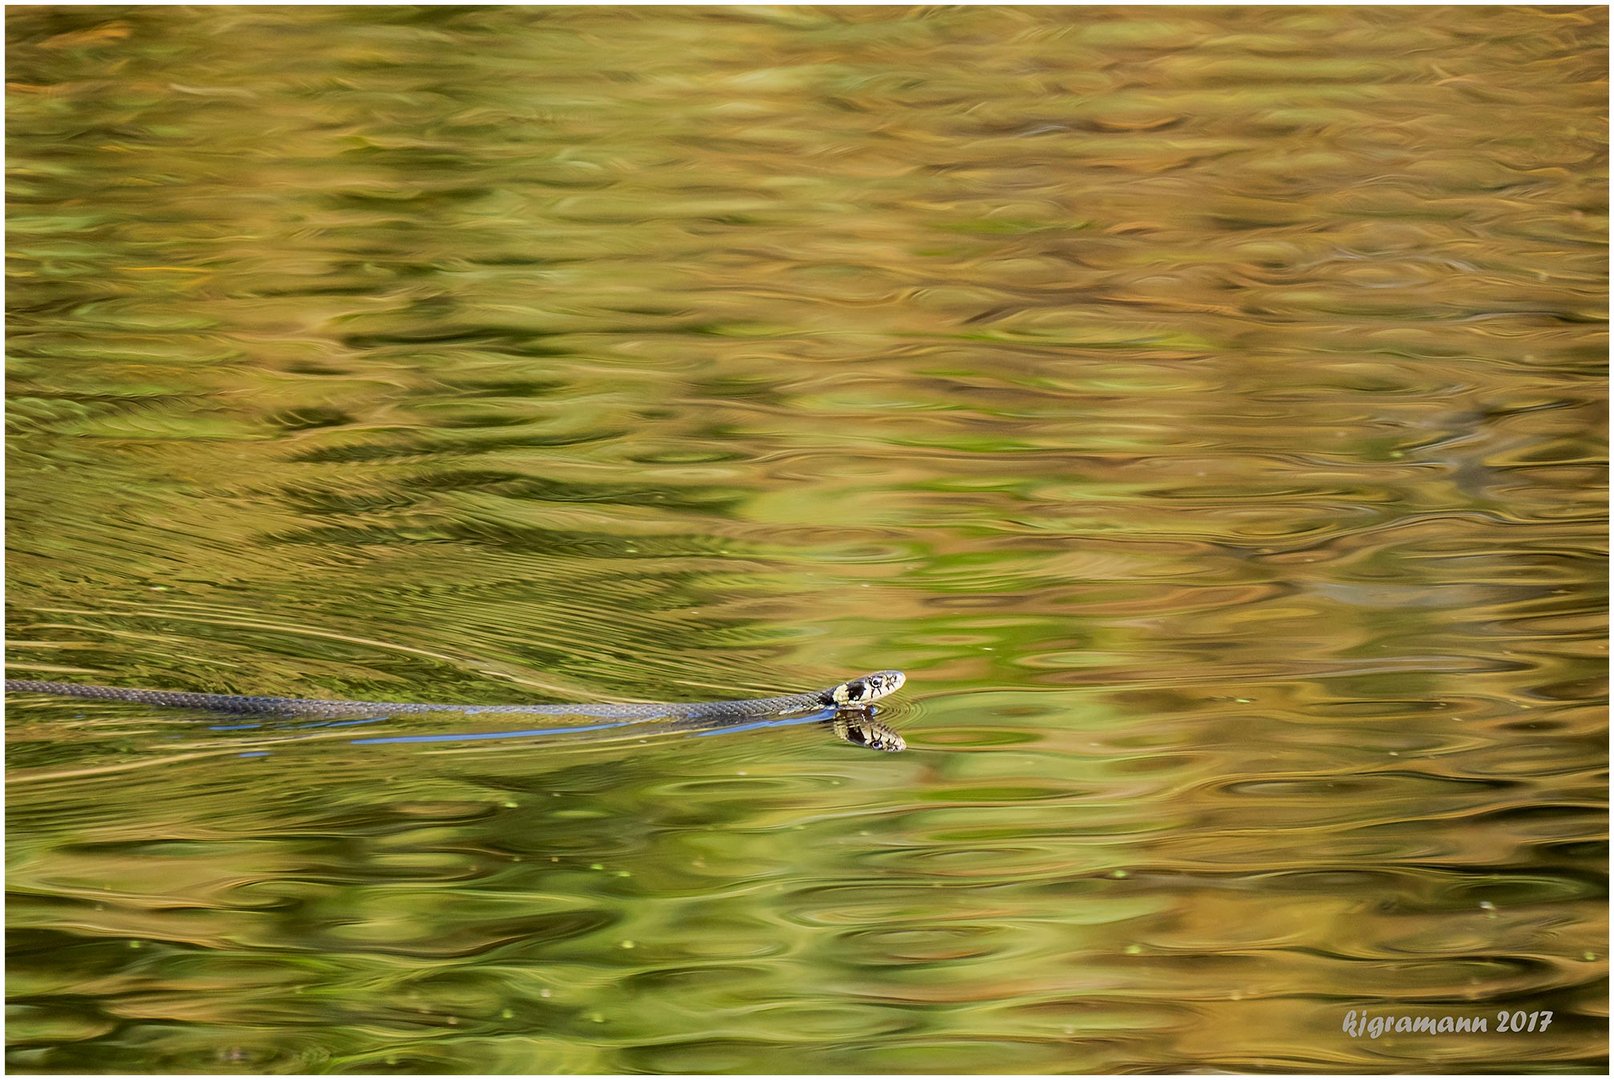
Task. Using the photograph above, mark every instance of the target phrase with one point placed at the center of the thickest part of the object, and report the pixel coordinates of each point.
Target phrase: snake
(850, 700)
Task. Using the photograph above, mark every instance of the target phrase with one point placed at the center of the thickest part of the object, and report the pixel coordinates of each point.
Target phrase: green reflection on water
(1200, 404)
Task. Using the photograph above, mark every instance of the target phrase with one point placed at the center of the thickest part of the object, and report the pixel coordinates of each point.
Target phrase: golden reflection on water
(1201, 405)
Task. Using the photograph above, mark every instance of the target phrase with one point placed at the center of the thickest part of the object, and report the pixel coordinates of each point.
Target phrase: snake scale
(850, 699)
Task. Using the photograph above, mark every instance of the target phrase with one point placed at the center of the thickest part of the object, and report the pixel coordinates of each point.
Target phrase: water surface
(1203, 406)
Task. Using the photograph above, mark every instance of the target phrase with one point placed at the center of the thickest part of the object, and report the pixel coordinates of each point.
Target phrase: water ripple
(1202, 405)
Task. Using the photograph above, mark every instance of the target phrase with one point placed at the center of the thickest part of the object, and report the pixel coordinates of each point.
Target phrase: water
(1203, 406)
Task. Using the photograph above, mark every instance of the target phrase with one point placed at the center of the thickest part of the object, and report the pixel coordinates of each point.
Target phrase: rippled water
(1203, 406)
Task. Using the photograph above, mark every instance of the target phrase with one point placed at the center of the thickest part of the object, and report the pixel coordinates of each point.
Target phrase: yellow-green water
(1202, 405)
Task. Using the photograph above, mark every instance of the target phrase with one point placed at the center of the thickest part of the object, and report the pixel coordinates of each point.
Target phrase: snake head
(861, 731)
(856, 693)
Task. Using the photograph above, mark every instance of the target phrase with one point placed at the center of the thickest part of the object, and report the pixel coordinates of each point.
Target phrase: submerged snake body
(848, 697)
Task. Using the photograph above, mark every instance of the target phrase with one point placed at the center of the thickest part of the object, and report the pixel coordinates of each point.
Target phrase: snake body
(850, 697)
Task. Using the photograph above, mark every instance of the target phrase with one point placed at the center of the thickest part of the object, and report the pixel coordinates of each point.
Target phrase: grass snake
(850, 699)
